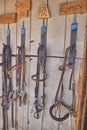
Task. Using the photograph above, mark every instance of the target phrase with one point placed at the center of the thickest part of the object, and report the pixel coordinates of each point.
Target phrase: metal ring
(40, 80)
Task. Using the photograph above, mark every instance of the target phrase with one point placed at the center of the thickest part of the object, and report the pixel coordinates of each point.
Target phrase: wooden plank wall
(58, 39)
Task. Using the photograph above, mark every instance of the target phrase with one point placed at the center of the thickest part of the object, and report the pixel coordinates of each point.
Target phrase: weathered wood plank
(22, 112)
(27, 25)
(1, 41)
(56, 30)
(33, 122)
(55, 46)
(35, 27)
(80, 19)
(9, 8)
(79, 47)
(36, 36)
(82, 90)
(53, 77)
(58, 37)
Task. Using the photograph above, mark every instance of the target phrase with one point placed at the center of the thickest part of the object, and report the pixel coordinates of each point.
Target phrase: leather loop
(11, 94)
(54, 117)
(40, 80)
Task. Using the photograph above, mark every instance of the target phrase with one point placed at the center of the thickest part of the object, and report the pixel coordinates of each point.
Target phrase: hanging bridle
(7, 87)
(70, 54)
(20, 68)
(41, 66)
(61, 90)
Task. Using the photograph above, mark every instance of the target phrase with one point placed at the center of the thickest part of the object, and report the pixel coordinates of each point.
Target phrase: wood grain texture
(1, 46)
(22, 6)
(35, 27)
(79, 47)
(8, 18)
(82, 90)
(23, 112)
(22, 15)
(8, 9)
(43, 12)
(73, 7)
(56, 25)
(58, 39)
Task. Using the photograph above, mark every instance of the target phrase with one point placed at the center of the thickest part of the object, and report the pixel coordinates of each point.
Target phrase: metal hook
(36, 114)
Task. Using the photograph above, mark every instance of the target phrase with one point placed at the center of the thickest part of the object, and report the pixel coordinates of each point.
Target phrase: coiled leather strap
(59, 119)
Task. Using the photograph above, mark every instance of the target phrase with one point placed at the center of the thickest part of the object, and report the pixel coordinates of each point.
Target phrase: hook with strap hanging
(41, 66)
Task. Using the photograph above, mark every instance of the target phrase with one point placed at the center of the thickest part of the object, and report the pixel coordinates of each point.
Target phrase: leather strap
(59, 119)
(41, 64)
(40, 80)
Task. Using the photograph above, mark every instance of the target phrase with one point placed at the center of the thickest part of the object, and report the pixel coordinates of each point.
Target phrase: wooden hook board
(43, 12)
(22, 14)
(74, 7)
(22, 6)
(8, 18)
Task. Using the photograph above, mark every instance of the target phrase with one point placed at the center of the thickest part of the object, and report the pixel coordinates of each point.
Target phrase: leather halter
(71, 52)
(61, 89)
